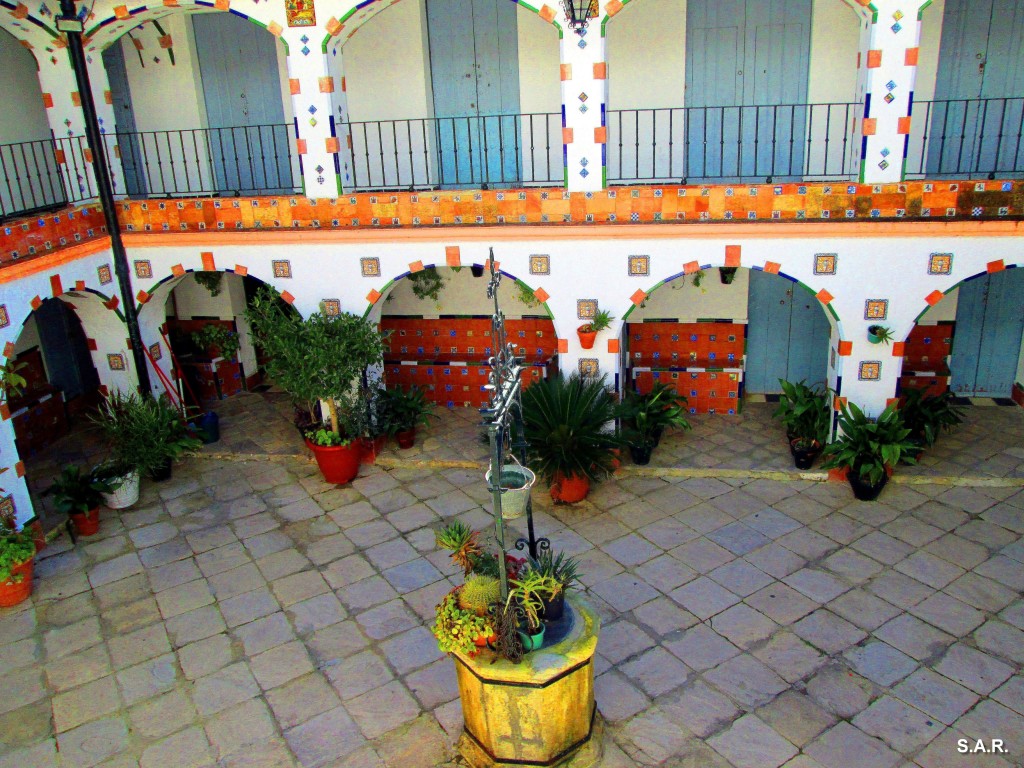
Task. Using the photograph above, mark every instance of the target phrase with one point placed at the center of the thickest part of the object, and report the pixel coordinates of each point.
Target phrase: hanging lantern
(579, 13)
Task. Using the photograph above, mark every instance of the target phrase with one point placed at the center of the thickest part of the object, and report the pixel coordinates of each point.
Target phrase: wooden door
(124, 121)
(989, 327)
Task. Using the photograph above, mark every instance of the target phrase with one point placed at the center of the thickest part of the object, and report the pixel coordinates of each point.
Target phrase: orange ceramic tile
(690, 267)
(910, 57)
(55, 285)
(874, 59)
(453, 255)
(601, 70)
(208, 263)
(547, 13)
(142, 297)
(565, 71)
(869, 125)
(286, 296)
(332, 144)
(613, 345)
(541, 295)
(121, 12)
(567, 135)
(898, 348)
(275, 29)
(934, 297)
(638, 297)
(326, 84)
(334, 26)
(613, 7)
(824, 296)
(995, 266)
(845, 348)
(903, 126)
(416, 266)
(772, 267)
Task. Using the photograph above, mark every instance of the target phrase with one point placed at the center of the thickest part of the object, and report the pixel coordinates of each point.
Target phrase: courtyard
(245, 613)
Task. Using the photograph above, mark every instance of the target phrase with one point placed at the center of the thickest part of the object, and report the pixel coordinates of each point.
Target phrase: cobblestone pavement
(245, 613)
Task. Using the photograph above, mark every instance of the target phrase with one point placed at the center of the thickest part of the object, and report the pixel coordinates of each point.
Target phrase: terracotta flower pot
(338, 464)
(569, 490)
(86, 523)
(586, 337)
(13, 592)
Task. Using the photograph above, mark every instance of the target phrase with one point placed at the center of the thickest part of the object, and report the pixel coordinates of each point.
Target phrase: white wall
(461, 294)
(23, 117)
(646, 53)
(29, 336)
(540, 93)
(835, 40)
(681, 299)
(928, 53)
(944, 311)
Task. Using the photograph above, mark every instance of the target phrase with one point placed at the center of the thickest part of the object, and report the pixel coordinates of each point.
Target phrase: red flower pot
(569, 490)
(586, 337)
(86, 523)
(407, 438)
(338, 463)
(11, 592)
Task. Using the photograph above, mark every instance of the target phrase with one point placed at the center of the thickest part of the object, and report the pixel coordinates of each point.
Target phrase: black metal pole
(106, 195)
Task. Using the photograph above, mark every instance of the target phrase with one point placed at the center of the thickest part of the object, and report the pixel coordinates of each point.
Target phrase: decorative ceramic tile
(825, 263)
(282, 268)
(589, 366)
(5, 319)
(144, 269)
(540, 264)
(639, 266)
(116, 362)
(370, 266)
(7, 509)
(876, 309)
(586, 308)
(331, 307)
(940, 263)
(154, 351)
(104, 274)
(870, 370)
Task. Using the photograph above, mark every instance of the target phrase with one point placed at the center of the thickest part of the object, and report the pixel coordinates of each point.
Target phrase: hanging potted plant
(646, 417)
(727, 274)
(406, 409)
(334, 353)
(78, 496)
(588, 331)
(806, 413)
(566, 423)
(868, 449)
(878, 334)
(17, 550)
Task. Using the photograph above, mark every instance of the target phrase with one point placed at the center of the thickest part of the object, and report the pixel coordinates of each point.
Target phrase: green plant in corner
(927, 416)
(427, 283)
(406, 409)
(526, 295)
(805, 412)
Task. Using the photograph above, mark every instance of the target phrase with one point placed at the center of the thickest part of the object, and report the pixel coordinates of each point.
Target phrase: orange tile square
(108, 96)
(601, 70)
(910, 57)
(79, 285)
(294, 85)
(903, 126)
(690, 267)
(898, 348)
(300, 146)
(208, 263)
(547, 13)
(845, 348)
(541, 295)
(288, 297)
(772, 267)
(563, 345)
(121, 12)
(613, 345)
(275, 29)
(142, 297)
(567, 135)
(613, 7)
(869, 126)
(326, 84)
(56, 288)
(453, 255)
(838, 401)
(177, 270)
(732, 255)
(76, 98)
(638, 297)
(334, 26)
(824, 296)
(241, 271)
(601, 134)
(48, 100)
(995, 266)
(332, 144)
(373, 296)
(934, 297)
(416, 266)
(874, 59)
(565, 71)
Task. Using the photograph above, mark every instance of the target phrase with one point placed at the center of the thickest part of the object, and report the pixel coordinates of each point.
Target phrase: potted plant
(566, 423)
(927, 416)
(217, 341)
(406, 410)
(564, 570)
(647, 416)
(588, 331)
(477, 270)
(78, 496)
(727, 274)
(323, 357)
(528, 594)
(867, 449)
(375, 424)
(459, 629)
(806, 413)
(877, 334)
(122, 477)
(17, 550)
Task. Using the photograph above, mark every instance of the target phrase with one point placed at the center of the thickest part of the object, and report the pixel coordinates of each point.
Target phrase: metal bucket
(516, 482)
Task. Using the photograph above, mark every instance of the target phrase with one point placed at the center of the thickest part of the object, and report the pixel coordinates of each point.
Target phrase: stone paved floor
(245, 613)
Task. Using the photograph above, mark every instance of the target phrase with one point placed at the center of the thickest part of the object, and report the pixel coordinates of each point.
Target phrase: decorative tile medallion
(144, 269)
(116, 362)
(7, 510)
(876, 309)
(825, 263)
(589, 366)
(5, 319)
(104, 274)
(639, 266)
(870, 370)
(540, 264)
(282, 268)
(940, 263)
(586, 308)
(370, 266)
(331, 307)
(154, 351)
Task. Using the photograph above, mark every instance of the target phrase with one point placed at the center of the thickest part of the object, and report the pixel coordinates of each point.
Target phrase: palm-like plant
(926, 416)
(867, 446)
(805, 411)
(566, 425)
(647, 416)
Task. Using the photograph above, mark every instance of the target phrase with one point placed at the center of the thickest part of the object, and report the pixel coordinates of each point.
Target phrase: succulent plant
(478, 593)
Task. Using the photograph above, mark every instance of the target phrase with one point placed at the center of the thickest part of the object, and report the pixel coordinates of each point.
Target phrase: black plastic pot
(477, 270)
(864, 490)
(804, 458)
(161, 472)
(727, 274)
(641, 454)
(554, 608)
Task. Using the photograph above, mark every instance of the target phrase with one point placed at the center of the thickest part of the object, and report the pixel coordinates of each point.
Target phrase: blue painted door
(248, 140)
(787, 334)
(975, 124)
(989, 327)
(124, 120)
(65, 349)
(746, 84)
(474, 68)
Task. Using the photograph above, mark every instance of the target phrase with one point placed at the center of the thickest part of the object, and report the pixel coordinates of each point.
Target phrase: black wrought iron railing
(31, 172)
(486, 151)
(966, 138)
(743, 143)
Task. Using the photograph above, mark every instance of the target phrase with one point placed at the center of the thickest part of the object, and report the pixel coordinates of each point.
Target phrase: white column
(584, 74)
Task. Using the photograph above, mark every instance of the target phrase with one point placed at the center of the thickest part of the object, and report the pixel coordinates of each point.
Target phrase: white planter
(126, 495)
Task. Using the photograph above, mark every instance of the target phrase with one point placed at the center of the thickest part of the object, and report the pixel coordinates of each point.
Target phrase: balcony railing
(489, 151)
(974, 138)
(966, 138)
(744, 143)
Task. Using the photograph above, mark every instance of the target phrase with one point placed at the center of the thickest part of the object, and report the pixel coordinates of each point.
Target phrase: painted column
(104, 101)
(584, 74)
(887, 67)
(340, 115)
(312, 88)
